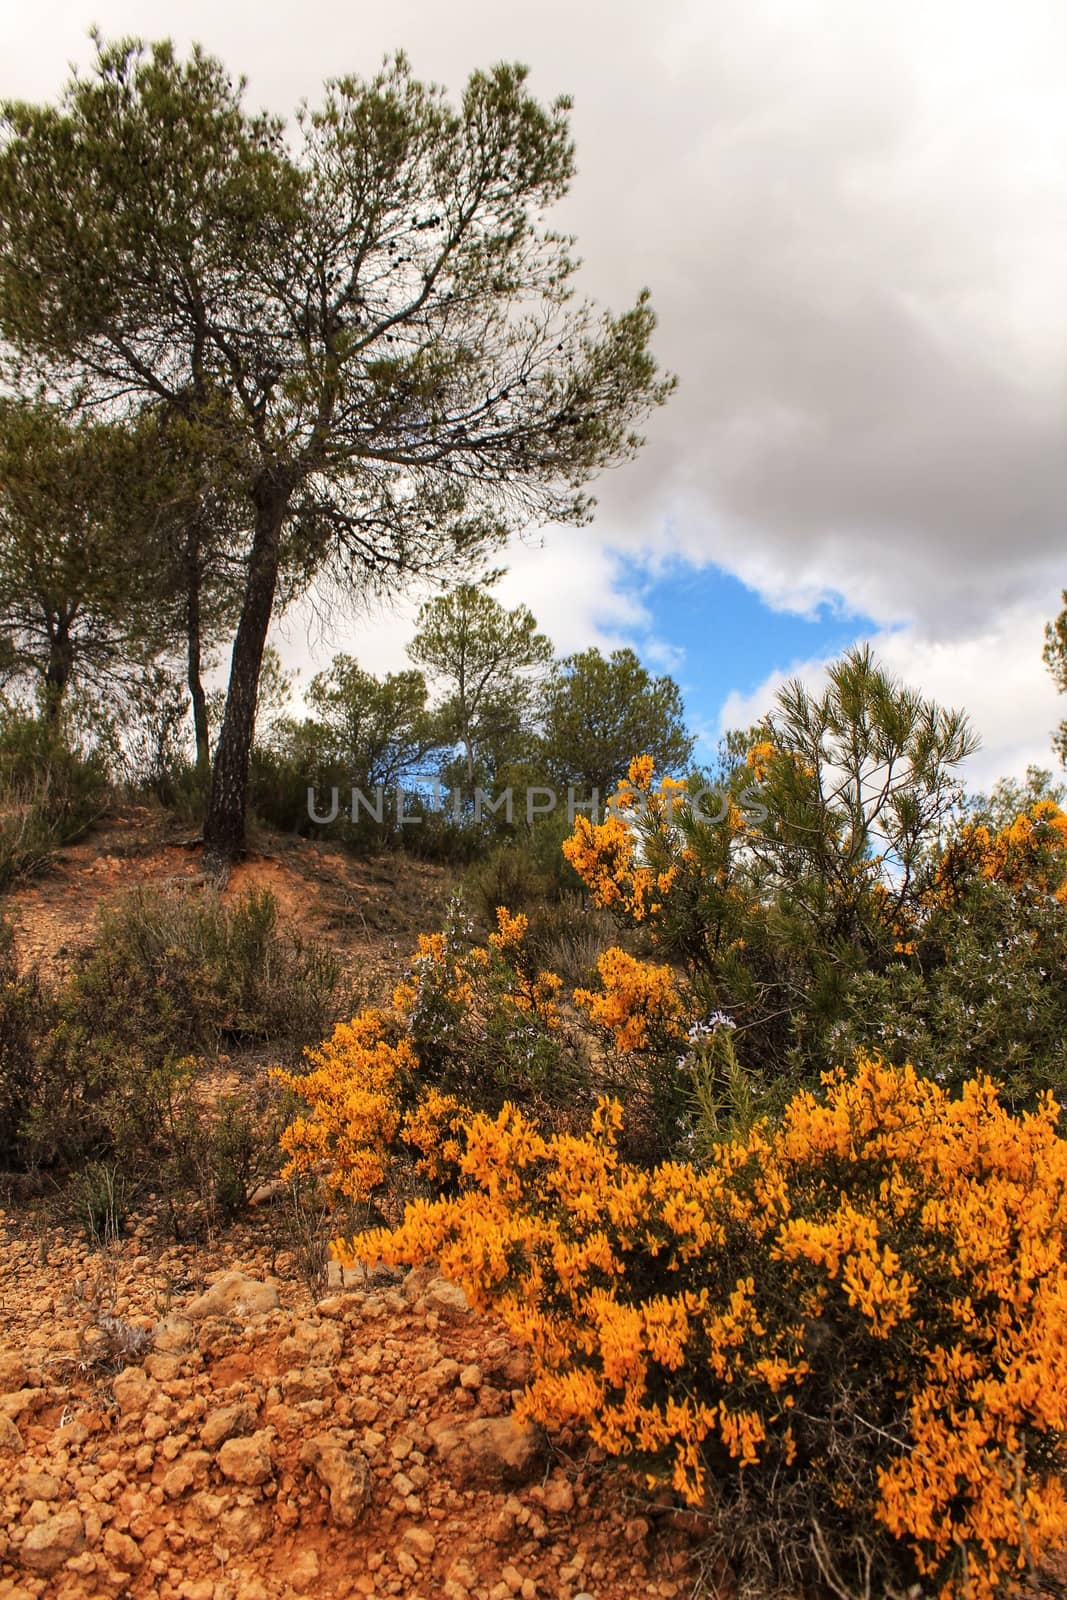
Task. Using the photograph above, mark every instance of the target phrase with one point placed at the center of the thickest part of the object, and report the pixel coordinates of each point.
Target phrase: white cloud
(996, 675)
(575, 585)
(853, 219)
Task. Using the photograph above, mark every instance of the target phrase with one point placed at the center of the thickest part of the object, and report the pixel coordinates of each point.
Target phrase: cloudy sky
(853, 220)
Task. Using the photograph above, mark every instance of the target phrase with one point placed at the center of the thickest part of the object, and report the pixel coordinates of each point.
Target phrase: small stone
(226, 1423)
(487, 1450)
(344, 1472)
(248, 1460)
(311, 1344)
(420, 1542)
(338, 1277)
(500, 1527)
(133, 1391)
(307, 1383)
(178, 1479)
(471, 1377)
(196, 1589)
(233, 1295)
(10, 1437)
(267, 1193)
(557, 1497)
(163, 1368)
(243, 1528)
(122, 1551)
(447, 1300)
(13, 1372)
(172, 1333)
(252, 1588)
(52, 1543)
(19, 1401)
(302, 1570)
(333, 1305)
(70, 1435)
(38, 1486)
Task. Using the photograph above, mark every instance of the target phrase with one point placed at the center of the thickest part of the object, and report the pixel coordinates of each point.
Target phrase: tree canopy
(1055, 655)
(487, 660)
(600, 711)
(74, 611)
(368, 323)
(381, 727)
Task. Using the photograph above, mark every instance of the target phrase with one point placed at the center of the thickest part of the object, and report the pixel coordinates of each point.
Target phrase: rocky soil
(186, 1422)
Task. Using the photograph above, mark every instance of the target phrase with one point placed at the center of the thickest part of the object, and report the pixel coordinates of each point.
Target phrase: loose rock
(233, 1295)
(247, 1460)
(50, 1544)
(345, 1473)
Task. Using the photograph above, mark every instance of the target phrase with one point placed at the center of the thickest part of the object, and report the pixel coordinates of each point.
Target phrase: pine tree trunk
(224, 825)
(58, 670)
(194, 662)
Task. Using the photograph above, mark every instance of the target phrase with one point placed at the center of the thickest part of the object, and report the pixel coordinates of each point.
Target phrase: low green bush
(24, 1018)
(101, 1068)
(182, 972)
(52, 789)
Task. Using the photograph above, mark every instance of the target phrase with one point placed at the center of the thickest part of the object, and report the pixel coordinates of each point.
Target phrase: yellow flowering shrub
(605, 855)
(638, 1001)
(651, 861)
(469, 1024)
(355, 1087)
(1029, 855)
(484, 1019)
(854, 1320)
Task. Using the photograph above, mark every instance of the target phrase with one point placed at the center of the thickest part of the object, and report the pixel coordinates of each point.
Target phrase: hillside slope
(358, 1444)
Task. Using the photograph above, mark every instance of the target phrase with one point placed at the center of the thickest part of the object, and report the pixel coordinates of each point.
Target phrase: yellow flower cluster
(511, 929)
(759, 758)
(434, 1127)
(1029, 854)
(354, 1089)
(871, 1296)
(639, 1002)
(369, 1090)
(461, 976)
(604, 854)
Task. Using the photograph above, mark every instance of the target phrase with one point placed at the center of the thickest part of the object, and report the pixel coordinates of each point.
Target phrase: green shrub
(508, 876)
(51, 791)
(985, 992)
(483, 1019)
(94, 1099)
(278, 796)
(101, 1194)
(222, 1150)
(182, 972)
(569, 936)
(102, 1069)
(24, 1016)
